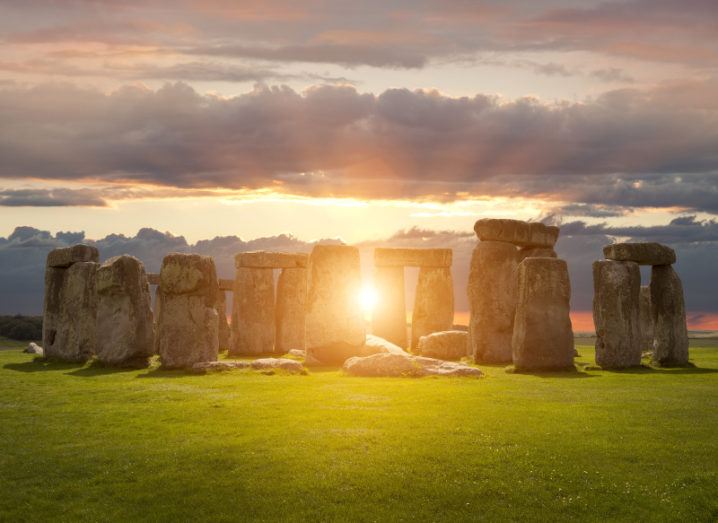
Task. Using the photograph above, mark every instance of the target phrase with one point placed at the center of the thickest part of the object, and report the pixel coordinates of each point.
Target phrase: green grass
(88, 443)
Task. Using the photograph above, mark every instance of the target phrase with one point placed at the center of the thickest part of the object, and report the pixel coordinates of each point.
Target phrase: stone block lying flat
(271, 260)
(405, 365)
(517, 232)
(641, 253)
(388, 257)
(63, 258)
(261, 364)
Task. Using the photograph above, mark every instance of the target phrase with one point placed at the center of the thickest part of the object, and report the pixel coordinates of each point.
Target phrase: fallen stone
(63, 258)
(336, 355)
(395, 257)
(405, 365)
(389, 315)
(641, 253)
(68, 327)
(125, 329)
(616, 295)
(188, 324)
(335, 327)
(543, 337)
(447, 345)
(297, 353)
(271, 260)
(253, 328)
(492, 292)
(670, 338)
(262, 364)
(378, 345)
(433, 303)
(291, 310)
(645, 318)
(34, 348)
(522, 234)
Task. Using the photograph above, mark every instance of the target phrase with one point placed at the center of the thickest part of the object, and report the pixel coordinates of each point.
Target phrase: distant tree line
(21, 328)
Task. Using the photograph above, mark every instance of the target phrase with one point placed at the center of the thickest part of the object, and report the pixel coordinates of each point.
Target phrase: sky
(363, 121)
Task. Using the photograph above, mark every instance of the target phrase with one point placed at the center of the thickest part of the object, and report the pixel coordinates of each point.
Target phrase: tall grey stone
(389, 315)
(254, 330)
(670, 339)
(335, 328)
(543, 337)
(616, 313)
(125, 330)
(433, 303)
(291, 310)
(492, 292)
(645, 315)
(187, 330)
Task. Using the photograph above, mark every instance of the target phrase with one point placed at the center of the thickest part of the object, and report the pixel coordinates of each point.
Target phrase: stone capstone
(670, 338)
(543, 337)
(187, 326)
(641, 253)
(405, 365)
(447, 345)
(516, 232)
(335, 327)
(291, 310)
(271, 260)
(492, 292)
(63, 258)
(396, 257)
(616, 313)
(253, 325)
(125, 329)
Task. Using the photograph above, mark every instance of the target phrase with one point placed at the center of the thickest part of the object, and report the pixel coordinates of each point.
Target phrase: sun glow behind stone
(368, 299)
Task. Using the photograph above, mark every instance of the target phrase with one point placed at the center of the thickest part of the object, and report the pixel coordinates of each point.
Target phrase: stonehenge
(187, 323)
(124, 324)
(543, 336)
(434, 300)
(446, 345)
(70, 304)
(627, 317)
(493, 282)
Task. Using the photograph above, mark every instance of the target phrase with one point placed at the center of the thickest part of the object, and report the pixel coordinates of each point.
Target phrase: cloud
(630, 147)
(50, 198)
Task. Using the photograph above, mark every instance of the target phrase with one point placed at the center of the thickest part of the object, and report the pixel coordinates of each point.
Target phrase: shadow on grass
(570, 373)
(40, 364)
(97, 368)
(160, 372)
(648, 369)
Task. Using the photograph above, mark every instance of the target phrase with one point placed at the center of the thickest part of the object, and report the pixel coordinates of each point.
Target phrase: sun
(368, 298)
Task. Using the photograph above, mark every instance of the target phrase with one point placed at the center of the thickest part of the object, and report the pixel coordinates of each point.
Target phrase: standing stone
(543, 337)
(536, 252)
(335, 323)
(670, 341)
(616, 306)
(224, 333)
(68, 330)
(254, 330)
(645, 315)
(433, 303)
(188, 322)
(125, 332)
(492, 292)
(389, 315)
(291, 310)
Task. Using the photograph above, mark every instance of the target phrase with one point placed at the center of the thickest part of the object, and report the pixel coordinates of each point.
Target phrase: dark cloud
(624, 148)
(50, 198)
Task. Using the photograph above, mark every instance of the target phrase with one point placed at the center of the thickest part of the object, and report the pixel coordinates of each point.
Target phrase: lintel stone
(388, 257)
(63, 258)
(649, 253)
(271, 260)
(522, 234)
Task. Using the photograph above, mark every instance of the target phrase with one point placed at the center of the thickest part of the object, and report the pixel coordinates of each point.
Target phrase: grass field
(87, 443)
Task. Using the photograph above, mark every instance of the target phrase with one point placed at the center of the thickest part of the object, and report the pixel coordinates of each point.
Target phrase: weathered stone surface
(262, 364)
(153, 278)
(389, 315)
(335, 327)
(125, 330)
(641, 253)
(433, 303)
(224, 333)
(536, 252)
(543, 337)
(34, 348)
(291, 310)
(271, 260)
(492, 292)
(333, 356)
(670, 339)
(396, 257)
(68, 329)
(405, 365)
(519, 233)
(645, 315)
(447, 345)
(187, 327)
(253, 328)
(616, 293)
(63, 258)
(297, 353)
(378, 345)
